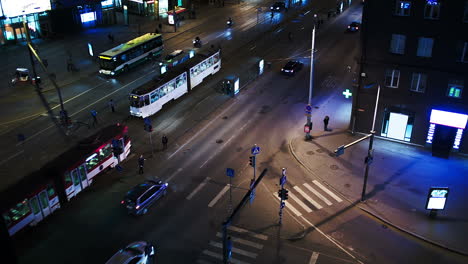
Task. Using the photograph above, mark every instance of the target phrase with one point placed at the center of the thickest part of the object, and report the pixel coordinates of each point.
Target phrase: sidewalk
(398, 184)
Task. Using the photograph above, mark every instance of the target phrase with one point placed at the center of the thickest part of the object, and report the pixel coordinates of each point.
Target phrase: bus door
(44, 203)
(36, 209)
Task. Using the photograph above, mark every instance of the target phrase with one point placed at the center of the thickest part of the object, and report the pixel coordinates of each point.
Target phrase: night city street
(198, 140)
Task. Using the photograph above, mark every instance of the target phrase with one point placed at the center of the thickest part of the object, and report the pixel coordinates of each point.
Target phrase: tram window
(210, 62)
(154, 96)
(50, 191)
(68, 180)
(105, 152)
(76, 179)
(216, 57)
(162, 91)
(17, 212)
(44, 200)
(170, 86)
(82, 172)
(34, 205)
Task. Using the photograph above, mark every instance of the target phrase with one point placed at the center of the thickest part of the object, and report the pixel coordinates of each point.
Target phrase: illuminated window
(462, 52)
(397, 45)
(418, 82)
(455, 88)
(392, 78)
(403, 8)
(432, 10)
(425, 47)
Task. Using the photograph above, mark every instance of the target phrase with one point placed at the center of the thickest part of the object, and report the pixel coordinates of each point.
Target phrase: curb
(375, 215)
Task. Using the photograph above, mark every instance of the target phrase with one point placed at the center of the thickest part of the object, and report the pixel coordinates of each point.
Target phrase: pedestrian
(111, 105)
(94, 115)
(141, 163)
(325, 123)
(45, 62)
(164, 142)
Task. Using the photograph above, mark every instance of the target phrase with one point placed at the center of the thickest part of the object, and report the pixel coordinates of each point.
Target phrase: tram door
(36, 209)
(44, 202)
(80, 181)
(84, 178)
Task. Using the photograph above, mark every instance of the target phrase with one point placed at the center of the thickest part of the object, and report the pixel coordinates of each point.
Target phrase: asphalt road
(209, 132)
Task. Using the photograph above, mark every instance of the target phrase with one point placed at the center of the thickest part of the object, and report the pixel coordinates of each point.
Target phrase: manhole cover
(319, 151)
(333, 167)
(310, 152)
(347, 185)
(219, 141)
(225, 117)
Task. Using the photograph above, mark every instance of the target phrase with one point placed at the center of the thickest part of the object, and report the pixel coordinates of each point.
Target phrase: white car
(136, 253)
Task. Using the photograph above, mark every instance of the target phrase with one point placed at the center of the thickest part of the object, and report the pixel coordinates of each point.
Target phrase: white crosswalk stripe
(289, 206)
(319, 195)
(334, 196)
(312, 201)
(298, 201)
(199, 187)
(246, 247)
(220, 194)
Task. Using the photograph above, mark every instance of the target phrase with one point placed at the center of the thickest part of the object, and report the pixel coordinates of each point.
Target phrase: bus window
(162, 91)
(154, 96)
(216, 57)
(180, 80)
(210, 62)
(135, 101)
(170, 87)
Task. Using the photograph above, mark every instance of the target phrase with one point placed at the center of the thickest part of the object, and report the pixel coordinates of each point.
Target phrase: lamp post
(311, 83)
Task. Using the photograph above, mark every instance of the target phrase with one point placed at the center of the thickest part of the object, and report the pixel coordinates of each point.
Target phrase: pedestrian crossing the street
(246, 247)
(310, 197)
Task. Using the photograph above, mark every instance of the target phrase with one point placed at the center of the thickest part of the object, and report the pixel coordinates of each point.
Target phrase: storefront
(397, 124)
(148, 7)
(445, 132)
(13, 11)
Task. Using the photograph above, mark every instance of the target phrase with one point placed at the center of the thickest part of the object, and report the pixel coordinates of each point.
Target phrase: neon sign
(437, 198)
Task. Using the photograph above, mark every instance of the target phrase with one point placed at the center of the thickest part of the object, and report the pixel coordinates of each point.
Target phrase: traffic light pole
(229, 220)
(311, 82)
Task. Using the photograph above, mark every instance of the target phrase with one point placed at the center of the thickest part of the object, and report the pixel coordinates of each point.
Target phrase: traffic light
(252, 161)
(283, 194)
(148, 128)
(280, 193)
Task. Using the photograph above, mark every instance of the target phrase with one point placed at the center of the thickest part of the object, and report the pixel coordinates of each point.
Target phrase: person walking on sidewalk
(111, 105)
(141, 163)
(164, 142)
(325, 123)
(94, 115)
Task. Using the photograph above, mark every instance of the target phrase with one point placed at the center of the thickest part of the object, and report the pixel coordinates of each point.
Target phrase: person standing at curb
(94, 115)
(164, 142)
(111, 105)
(141, 163)
(325, 123)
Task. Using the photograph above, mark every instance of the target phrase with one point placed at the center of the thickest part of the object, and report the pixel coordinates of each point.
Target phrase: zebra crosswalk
(246, 247)
(310, 198)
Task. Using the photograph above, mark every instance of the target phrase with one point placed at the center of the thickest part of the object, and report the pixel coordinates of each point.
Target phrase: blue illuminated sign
(436, 198)
(88, 17)
(404, 5)
(432, 2)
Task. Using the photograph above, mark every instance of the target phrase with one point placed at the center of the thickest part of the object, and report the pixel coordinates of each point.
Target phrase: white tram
(150, 98)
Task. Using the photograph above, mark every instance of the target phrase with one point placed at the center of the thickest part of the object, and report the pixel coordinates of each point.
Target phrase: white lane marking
(289, 206)
(174, 174)
(199, 132)
(235, 250)
(225, 144)
(312, 201)
(198, 188)
(313, 258)
(223, 191)
(242, 241)
(338, 199)
(245, 231)
(12, 156)
(219, 256)
(303, 205)
(319, 195)
(329, 238)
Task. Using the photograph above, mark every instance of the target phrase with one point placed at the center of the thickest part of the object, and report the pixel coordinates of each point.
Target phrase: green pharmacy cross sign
(347, 93)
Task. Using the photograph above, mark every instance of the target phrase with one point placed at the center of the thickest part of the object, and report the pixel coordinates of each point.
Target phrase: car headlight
(277, 8)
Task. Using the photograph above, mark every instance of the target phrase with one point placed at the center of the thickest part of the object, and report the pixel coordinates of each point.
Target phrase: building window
(425, 47)
(397, 44)
(418, 82)
(465, 15)
(462, 51)
(432, 10)
(392, 78)
(455, 88)
(403, 8)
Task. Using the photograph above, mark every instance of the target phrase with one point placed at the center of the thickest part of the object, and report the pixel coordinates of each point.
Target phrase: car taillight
(357, 27)
(122, 202)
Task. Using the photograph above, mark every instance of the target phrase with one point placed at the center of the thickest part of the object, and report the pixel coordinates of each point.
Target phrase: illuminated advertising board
(436, 198)
(13, 8)
(450, 119)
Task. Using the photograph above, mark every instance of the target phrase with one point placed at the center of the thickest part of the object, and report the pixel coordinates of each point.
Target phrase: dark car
(141, 197)
(292, 67)
(354, 26)
(278, 7)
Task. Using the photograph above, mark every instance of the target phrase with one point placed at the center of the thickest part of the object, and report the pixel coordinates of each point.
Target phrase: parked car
(135, 253)
(278, 7)
(354, 26)
(141, 197)
(292, 67)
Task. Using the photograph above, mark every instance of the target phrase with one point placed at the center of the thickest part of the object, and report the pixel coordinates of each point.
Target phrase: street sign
(255, 150)
(306, 128)
(347, 93)
(436, 198)
(230, 172)
(283, 180)
(308, 109)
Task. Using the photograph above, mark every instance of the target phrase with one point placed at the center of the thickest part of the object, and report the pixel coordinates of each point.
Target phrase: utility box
(231, 85)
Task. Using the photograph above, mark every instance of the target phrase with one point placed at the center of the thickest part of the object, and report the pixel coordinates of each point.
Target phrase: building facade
(417, 51)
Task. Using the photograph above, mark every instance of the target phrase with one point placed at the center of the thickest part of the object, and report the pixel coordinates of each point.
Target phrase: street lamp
(311, 83)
